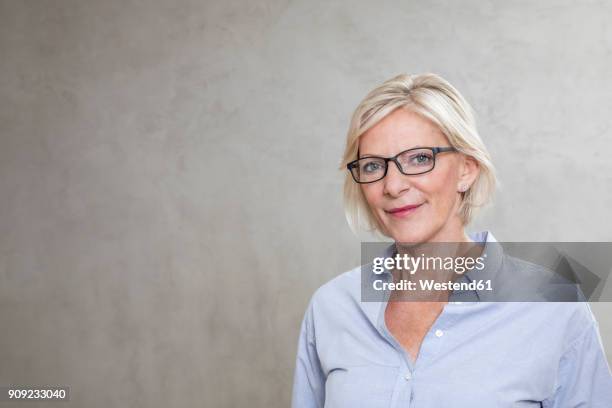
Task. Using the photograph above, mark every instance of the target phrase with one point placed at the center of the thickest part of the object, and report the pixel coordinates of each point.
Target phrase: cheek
(444, 197)
(439, 191)
(374, 197)
(372, 194)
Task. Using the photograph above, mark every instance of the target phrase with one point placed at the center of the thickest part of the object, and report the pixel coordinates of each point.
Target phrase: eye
(421, 158)
(371, 167)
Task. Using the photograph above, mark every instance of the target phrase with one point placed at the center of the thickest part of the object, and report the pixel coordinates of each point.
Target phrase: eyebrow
(365, 156)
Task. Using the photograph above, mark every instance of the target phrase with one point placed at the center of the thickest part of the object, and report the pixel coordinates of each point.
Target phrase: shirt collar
(493, 257)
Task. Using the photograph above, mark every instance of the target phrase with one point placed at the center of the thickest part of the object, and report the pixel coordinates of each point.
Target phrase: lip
(401, 212)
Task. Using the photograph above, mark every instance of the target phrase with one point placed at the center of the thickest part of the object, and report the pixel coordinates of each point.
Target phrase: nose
(395, 182)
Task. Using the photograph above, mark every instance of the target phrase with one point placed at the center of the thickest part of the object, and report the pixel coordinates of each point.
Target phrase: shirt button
(408, 377)
(439, 333)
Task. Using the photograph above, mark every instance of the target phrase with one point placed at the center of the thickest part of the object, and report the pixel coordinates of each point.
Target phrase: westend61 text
(430, 284)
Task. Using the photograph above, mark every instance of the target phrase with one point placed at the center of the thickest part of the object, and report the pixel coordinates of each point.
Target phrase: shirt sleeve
(308, 380)
(584, 378)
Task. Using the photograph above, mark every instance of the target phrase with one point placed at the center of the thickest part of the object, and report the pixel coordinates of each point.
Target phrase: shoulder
(344, 288)
(579, 319)
(337, 303)
(562, 323)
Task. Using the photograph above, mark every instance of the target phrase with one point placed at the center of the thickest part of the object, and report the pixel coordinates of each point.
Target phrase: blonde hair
(437, 100)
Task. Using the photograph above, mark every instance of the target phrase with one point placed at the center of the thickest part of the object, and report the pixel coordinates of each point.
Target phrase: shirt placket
(405, 385)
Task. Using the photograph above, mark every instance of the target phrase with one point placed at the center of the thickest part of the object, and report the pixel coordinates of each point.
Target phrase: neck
(451, 240)
(452, 231)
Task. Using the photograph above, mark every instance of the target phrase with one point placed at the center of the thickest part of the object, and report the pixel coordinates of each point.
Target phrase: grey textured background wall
(169, 192)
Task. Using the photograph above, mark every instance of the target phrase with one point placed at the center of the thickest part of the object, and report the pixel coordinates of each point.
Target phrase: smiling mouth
(401, 212)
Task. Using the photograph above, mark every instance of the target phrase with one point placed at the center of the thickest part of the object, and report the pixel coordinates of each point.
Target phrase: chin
(414, 228)
(408, 234)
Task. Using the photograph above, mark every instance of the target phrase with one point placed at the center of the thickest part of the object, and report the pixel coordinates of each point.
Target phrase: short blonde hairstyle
(437, 100)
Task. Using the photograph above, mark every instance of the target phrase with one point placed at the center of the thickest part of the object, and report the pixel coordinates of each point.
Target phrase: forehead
(402, 129)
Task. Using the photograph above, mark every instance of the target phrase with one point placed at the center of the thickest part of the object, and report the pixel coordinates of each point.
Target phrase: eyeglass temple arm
(443, 149)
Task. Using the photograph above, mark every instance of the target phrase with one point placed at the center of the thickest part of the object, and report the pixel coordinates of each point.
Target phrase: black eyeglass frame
(434, 152)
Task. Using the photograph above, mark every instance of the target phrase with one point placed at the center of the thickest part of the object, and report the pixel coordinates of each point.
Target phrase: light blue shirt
(476, 354)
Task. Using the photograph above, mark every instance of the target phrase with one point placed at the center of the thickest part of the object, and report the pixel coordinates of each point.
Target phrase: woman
(416, 172)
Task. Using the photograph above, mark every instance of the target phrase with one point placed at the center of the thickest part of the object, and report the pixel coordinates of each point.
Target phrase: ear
(468, 172)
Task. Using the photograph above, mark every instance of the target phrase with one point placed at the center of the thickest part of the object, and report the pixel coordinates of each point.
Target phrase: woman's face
(435, 194)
